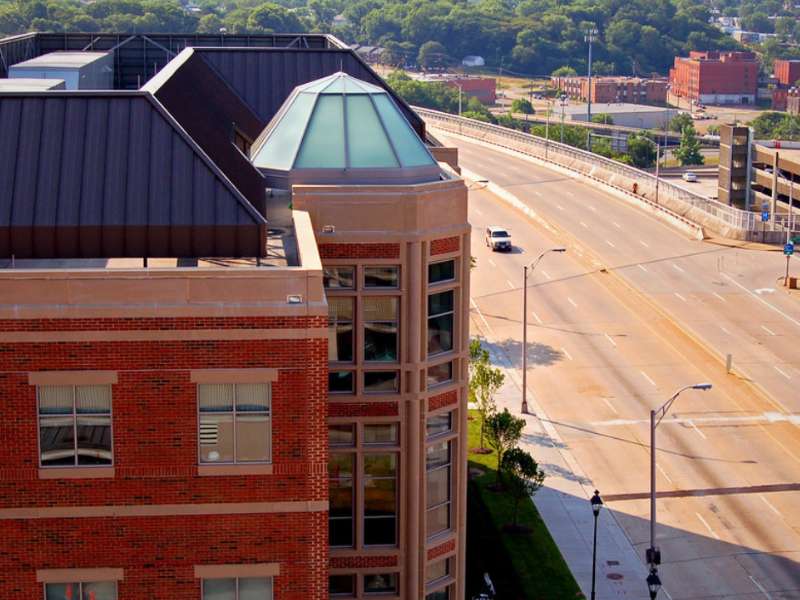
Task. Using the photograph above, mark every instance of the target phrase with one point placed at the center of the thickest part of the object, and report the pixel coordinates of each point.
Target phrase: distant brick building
(482, 88)
(633, 90)
(715, 77)
(786, 74)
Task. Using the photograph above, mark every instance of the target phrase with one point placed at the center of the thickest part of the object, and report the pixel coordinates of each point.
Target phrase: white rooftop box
(79, 70)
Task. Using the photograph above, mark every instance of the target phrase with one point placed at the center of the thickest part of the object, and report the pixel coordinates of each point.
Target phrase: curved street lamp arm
(662, 410)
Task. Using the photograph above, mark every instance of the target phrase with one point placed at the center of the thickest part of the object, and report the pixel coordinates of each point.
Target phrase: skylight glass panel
(368, 145)
(281, 146)
(323, 145)
(411, 150)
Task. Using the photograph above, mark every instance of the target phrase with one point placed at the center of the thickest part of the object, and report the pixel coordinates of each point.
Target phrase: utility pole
(658, 161)
(590, 37)
(563, 104)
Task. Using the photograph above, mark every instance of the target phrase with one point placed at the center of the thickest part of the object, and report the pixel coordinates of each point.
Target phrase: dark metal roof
(264, 77)
(211, 113)
(91, 174)
(137, 57)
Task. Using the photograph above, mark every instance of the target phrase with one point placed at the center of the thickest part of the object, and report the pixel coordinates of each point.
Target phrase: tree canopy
(530, 36)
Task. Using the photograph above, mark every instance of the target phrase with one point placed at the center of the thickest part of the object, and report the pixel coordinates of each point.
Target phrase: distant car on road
(690, 177)
(497, 238)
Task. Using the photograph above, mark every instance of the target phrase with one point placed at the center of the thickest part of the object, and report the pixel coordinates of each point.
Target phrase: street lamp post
(653, 583)
(531, 266)
(591, 35)
(563, 100)
(653, 556)
(597, 504)
(547, 127)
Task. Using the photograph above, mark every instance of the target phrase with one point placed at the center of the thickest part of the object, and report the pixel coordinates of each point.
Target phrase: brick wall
(363, 409)
(441, 400)
(444, 245)
(154, 405)
(158, 554)
(441, 549)
(359, 251)
(362, 562)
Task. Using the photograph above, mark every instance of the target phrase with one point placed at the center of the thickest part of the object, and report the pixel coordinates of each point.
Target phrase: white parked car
(689, 176)
(498, 238)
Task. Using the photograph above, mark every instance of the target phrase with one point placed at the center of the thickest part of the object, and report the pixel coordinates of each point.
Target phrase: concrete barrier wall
(708, 214)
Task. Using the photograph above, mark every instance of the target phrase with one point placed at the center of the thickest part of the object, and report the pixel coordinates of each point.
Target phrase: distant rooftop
(341, 129)
(63, 59)
(616, 107)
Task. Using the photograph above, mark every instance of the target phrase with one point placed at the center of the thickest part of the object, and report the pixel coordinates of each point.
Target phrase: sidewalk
(563, 502)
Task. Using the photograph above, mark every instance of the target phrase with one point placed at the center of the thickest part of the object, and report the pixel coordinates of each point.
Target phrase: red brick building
(482, 88)
(786, 73)
(609, 90)
(215, 391)
(715, 77)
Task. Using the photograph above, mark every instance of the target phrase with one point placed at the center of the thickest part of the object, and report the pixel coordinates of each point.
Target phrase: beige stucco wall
(169, 292)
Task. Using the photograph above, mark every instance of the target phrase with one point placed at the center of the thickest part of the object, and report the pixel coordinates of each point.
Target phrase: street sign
(764, 206)
(764, 216)
(788, 249)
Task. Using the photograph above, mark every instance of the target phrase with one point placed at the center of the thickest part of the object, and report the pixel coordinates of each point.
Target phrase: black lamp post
(597, 504)
(653, 583)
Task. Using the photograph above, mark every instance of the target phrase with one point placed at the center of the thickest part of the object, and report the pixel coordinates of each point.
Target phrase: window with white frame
(74, 425)
(90, 590)
(238, 588)
(235, 423)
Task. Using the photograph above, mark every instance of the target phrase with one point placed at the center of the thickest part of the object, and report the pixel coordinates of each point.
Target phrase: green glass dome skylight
(340, 128)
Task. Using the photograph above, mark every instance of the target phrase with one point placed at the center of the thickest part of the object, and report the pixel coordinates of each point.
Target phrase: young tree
(432, 54)
(484, 381)
(679, 121)
(523, 477)
(642, 152)
(520, 105)
(565, 71)
(688, 151)
(603, 118)
(503, 431)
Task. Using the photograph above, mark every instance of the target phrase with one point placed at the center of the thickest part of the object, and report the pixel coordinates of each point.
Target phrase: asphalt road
(633, 311)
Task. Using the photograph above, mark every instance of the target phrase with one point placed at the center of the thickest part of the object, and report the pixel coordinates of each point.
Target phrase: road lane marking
(511, 285)
(644, 244)
(666, 593)
(782, 372)
(478, 212)
(704, 522)
(535, 316)
(610, 244)
(538, 193)
(769, 504)
(611, 406)
(584, 225)
(570, 194)
(559, 207)
(480, 314)
(760, 299)
(767, 418)
(679, 296)
(608, 337)
(720, 297)
(725, 330)
(571, 301)
(567, 354)
(760, 587)
(642, 268)
(592, 208)
(545, 274)
(768, 330)
(491, 262)
(646, 376)
(693, 426)
(664, 473)
(674, 266)
(617, 225)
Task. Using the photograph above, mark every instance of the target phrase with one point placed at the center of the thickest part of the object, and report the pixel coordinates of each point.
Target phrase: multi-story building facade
(786, 73)
(715, 77)
(234, 338)
(632, 90)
